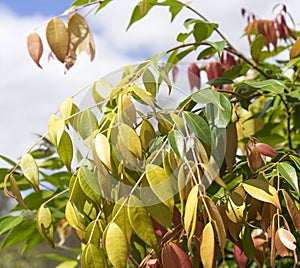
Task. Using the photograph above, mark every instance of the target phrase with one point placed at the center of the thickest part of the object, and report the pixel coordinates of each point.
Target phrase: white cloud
(28, 95)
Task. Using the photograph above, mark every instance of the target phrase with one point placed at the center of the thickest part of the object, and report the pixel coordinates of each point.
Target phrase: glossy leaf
(65, 150)
(116, 245)
(199, 126)
(93, 257)
(35, 47)
(30, 170)
(191, 208)
(160, 184)
(147, 134)
(101, 150)
(288, 172)
(44, 223)
(176, 141)
(55, 129)
(174, 256)
(58, 38)
(207, 246)
(140, 221)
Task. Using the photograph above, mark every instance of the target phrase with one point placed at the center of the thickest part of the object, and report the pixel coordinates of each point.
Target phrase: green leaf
(19, 233)
(149, 82)
(270, 85)
(116, 245)
(93, 257)
(87, 124)
(68, 264)
(288, 172)
(296, 160)
(203, 30)
(181, 37)
(220, 81)
(199, 126)
(65, 150)
(140, 10)
(262, 190)
(30, 170)
(147, 134)
(72, 217)
(208, 95)
(141, 222)
(160, 184)
(55, 129)
(176, 141)
(52, 163)
(9, 222)
(58, 38)
(256, 47)
(44, 223)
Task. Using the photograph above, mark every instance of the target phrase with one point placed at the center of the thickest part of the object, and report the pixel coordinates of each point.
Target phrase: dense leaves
(209, 181)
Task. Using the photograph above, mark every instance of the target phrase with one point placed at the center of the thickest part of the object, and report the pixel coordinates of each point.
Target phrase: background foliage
(211, 181)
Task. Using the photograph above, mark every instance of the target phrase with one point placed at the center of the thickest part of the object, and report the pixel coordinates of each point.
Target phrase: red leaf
(239, 257)
(35, 47)
(194, 76)
(214, 69)
(266, 150)
(173, 256)
(175, 72)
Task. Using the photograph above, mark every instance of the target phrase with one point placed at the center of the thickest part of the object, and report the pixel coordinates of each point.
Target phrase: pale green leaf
(30, 170)
(177, 142)
(93, 257)
(65, 150)
(44, 223)
(55, 129)
(116, 245)
(101, 150)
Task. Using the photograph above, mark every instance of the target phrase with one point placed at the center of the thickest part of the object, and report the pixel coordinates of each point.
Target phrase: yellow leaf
(191, 208)
(101, 150)
(207, 246)
(55, 129)
(58, 38)
(147, 134)
(262, 190)
(295, 50)
(44, 223)
(30, 170)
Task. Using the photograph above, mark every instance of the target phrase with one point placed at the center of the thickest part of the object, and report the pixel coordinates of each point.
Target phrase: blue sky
(37, 7)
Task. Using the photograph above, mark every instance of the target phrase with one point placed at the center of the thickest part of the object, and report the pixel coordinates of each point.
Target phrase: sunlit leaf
(116, 245)
(44, 223)
(288, 172)
(176, 141)
(35, 47)
(101, 150)
(295, 49)
(130, 139)
(191, 207)
(262, 190)
(58, 38)
(55, 129)
(30, 170)
(93, 257)
(9, 222)
(207, 246)
(141, 222)
(72, 217)
(235, 208)
(93, 233)
(160, 184)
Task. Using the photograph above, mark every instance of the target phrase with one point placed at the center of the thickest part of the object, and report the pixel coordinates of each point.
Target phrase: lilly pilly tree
(208, 180)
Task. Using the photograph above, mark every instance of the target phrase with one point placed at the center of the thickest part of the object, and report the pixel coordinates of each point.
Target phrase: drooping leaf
(72, 217)
(58, 38)
(149, 82)
(35, 47)
(116, 245)
(141, 222)
(126, 110)
(160, 184)
(176, 141)
(198, 126)
(44, 223)
(202, 30)
(256, 47)
(30, 170)
(93, 257)
(140, 10)
(286, 238)
(217, 222)
(9, 222)
(235, 208)
(295, 50)
(65, 150)
(87, 124)
(262, 190)
(174, 256)
(207, 246)
(147, 134)
(191, 207)
(231, 145)
(94, 232)
(288, 172)
(101, 150)
(55, 129)
(293, 210)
